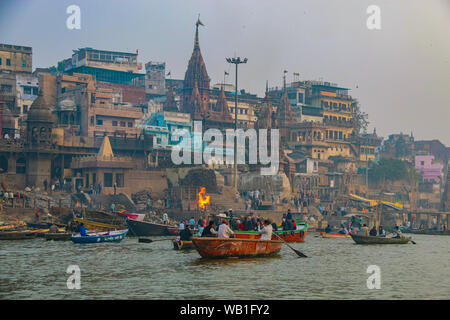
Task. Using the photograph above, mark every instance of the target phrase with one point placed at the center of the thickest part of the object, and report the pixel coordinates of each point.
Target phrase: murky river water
(336, 269)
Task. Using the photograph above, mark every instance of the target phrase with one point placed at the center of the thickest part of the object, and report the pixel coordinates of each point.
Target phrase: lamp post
(236, 61)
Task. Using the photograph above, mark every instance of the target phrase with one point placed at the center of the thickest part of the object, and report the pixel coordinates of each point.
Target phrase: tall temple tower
(196, 82)
(285, 115)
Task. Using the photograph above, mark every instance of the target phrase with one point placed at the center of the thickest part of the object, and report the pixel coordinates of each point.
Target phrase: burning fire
(203, 199)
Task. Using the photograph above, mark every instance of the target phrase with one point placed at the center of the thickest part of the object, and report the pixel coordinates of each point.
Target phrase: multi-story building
(431, 170)
(399, 146)
(108, 66)
(27, 88)
(155, 79)
(17, 59)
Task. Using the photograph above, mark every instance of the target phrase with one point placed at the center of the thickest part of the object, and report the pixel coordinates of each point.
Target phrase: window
(130, 124)
(7, 88)
(92, 120)
(114, 123)
(422, 163)
(122, 123)
(120, 180)
(108, 178)
(87, 180)
(99, 122)
(0, 61)
(8, 62)
(20, 165)
(24, 64)
(35, 91)
(27, 90)
(25, 108)
(158, 140)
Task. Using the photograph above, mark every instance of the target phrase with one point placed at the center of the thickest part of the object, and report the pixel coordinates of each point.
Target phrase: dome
(39, 111)
(66, 104)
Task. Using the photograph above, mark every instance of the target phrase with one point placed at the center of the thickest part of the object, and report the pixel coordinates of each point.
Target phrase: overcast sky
(400, 74)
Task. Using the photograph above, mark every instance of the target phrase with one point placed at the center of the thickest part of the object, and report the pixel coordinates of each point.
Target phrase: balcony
(338, 123)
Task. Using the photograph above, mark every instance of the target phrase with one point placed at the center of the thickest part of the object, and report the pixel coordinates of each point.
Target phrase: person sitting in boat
(83, 230)
(343, 230)
(328, 229)
(225, 231)
(365, 230)
(397, 232)
(381, 232)
(165, 218)
(192, 222)
(274, 226)
(54, 228)
(209, 230)
(185, 234)
(373, 231)
(266, 231)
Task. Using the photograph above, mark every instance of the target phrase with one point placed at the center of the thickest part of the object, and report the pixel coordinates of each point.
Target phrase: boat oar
(301, 255)
(145, 240)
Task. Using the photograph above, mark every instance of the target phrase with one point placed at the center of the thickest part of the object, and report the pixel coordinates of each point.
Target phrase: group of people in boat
(265, 229)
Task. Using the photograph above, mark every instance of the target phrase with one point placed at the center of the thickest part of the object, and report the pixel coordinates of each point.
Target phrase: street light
(236, 61)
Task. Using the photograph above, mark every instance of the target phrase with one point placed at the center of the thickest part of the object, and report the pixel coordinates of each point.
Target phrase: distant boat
(94, 225)
(109, 236)
(334, 235)
(360, 239)
(146, 229)
(234, 247)
(183, 245)
(430, 232)
(17, 235)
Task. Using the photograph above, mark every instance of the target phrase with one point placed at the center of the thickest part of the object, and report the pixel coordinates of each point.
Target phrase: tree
(389, 169)
(360, 119)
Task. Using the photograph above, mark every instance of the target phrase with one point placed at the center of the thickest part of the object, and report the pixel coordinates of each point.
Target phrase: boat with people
(360, 239)
(182, 245)
(145, 229)
(334, 235)
(286, 235)
(234, 247)
(98, 237)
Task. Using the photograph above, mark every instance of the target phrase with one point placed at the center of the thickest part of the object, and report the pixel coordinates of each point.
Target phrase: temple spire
(197, 42)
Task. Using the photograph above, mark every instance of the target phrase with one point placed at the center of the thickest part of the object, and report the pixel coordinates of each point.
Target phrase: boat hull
(334, 235)
(94, 225)
(288, 236)
(17, 235)
(183, 245)
(60, 236)
(359, 239)
(111, 236)
(234, 247)
(146, 229)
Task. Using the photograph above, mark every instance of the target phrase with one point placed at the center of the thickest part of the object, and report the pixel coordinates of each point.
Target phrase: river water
(335, 269)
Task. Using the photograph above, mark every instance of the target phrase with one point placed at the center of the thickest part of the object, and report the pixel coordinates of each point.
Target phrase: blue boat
(109, 236)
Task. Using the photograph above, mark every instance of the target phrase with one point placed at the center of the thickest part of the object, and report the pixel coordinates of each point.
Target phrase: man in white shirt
(224, 230)
(266, 232)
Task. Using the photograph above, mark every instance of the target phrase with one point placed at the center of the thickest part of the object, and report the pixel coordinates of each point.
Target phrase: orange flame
(203, 199)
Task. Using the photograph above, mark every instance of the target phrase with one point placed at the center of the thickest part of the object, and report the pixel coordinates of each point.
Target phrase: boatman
(225, 231)
(83, 230)
(185, 234)
(266, 231)
(397, 232)
(209, 231)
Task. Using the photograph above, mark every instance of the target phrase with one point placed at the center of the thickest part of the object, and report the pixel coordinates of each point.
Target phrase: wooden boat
(334, 235)
(109, 236)
(60, 236)
(233, 247)
(430, 232)
(94, 225)
(183, 245)
(288, 235)
(146, 229)
(17, 235)
(360, 239)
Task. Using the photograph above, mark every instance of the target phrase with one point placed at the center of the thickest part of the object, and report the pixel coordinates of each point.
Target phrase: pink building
(429, 169)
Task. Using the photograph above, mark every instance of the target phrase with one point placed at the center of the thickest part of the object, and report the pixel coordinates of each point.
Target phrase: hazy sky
(402, 71)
